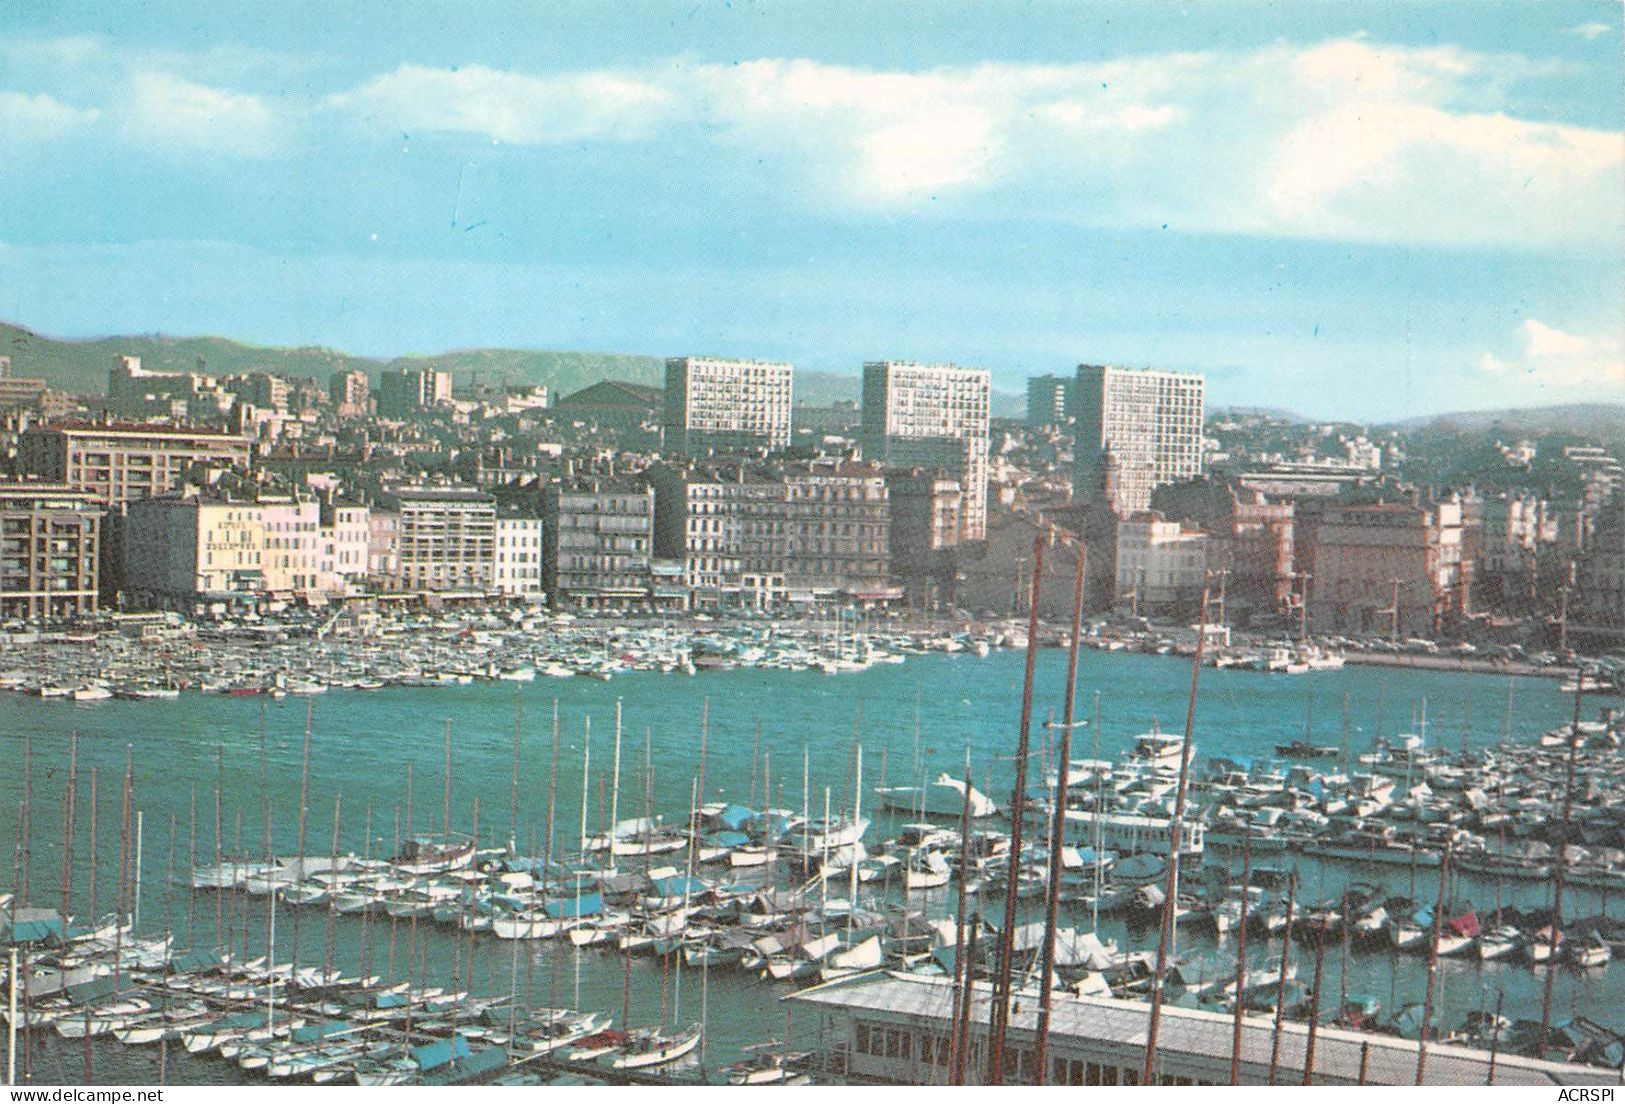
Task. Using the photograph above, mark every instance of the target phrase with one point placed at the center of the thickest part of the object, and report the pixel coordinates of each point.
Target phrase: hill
(1604, 420)
(80, 366)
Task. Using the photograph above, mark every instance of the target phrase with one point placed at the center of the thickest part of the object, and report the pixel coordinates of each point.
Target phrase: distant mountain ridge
(80, 365)
(1605, 420)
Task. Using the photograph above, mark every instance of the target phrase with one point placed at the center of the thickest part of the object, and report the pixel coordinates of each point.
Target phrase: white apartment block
(932, 416)
(1150, 420)
(713, 403)
(517, 568)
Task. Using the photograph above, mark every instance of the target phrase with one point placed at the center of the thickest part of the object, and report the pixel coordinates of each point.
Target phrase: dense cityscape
(255, 494)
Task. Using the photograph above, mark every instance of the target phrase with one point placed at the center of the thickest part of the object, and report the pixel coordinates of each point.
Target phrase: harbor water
(913, 720)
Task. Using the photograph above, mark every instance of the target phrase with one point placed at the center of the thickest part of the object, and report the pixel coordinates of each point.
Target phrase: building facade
(516, 570)
(403, 392)
(1050, 400)
(800, 532)
(350, 394)
(447, 542)
(713, 404)
(1389, 567)
(1151, 423)
(1161, 565)
(119, 462)
(925, 528)
(598, 543)
(932, 416)
(50, 550)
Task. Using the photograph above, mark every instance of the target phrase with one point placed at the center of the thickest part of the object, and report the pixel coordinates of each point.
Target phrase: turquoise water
(362, 744)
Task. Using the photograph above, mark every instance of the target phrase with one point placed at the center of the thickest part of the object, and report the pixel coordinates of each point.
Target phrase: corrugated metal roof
(1199, 1038)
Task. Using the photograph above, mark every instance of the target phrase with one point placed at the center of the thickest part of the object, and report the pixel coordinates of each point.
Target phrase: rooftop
(1205, 1037)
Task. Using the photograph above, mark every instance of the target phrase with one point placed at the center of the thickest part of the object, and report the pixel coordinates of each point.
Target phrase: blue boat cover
(436, 1054)
(727, 839)
(567, 908)
(309, 1033)
(677, 885)
(735, 816)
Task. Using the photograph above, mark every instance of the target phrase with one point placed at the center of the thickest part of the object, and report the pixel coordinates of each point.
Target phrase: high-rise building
(349, 393)
(1050, 400)
(50, 544)
(406, 391)
(932, 416)
(120, 462)
(726, 404)
(1149, 420)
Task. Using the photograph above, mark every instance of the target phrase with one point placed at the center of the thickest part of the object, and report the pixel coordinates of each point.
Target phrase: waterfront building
(894, 1029)
(350, 394)
(1150, 421)
(384, 549)
(1388, 567)
(748, 534)
(186, 551)
(1050, 400)
(403, 392)
(924, 530)
(343, 566)
(932, 416)
(120, 462)
(598, 541)
(447, 540)
(195, 549)
(516, 570)
(714, 404)
(50, 549)
(1161, 564)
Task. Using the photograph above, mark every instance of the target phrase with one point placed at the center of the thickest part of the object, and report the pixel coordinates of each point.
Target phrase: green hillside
(80, 366)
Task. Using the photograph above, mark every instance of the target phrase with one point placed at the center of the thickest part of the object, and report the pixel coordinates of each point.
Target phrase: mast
(1241, 952)
(1314, 1003)
(615, 788)
(1433, 967)
(586, 791)
(1001, 982)
(304, 816)
(445, 803)
(1175, 827)
(1280, 988)
(1058, 831)
(956, 1041)
(70, 795)
(1562, 868)
(513, 786)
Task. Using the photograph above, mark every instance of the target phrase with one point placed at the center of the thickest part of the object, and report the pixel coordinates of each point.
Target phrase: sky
(1362, 210)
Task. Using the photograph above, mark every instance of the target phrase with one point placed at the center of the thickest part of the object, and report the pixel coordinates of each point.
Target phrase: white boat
(655, 1047)
(925, 870)
(90, 692)
(945, 798)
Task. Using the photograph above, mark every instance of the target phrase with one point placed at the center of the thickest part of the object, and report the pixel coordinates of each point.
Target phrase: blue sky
(1364, 210)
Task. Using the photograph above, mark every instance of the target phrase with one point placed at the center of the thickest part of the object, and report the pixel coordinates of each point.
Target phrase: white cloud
(170, 113)
(512, 107)
(1589, 31)
(1555, 361)
(1345, 140)
(25, 119)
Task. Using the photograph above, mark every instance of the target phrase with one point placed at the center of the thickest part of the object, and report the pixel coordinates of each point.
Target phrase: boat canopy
(569, 908)
(678, 885)
(26, 925)
(309, 1033)
(735, 817)
(475, 1065)
(433, 1055)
